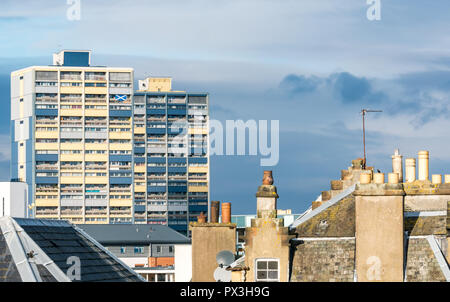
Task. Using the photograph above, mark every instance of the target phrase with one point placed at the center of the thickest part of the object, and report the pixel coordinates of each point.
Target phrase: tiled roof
(47, 246)
(8, 269)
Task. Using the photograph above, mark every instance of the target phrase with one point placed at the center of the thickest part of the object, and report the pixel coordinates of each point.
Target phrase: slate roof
(39, 250)
(118, 234)
(8, 269)
(310, 214)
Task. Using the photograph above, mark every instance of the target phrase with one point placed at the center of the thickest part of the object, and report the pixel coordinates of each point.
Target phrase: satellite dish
(225, 258)
(222, 275)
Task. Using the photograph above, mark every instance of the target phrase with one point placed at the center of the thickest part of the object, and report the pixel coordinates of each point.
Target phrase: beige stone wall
(426, 202)
(379, 238)
(208, 239)
(320, 260)
(267, 238)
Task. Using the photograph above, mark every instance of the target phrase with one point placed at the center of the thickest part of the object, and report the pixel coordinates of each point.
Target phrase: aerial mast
(364, 111)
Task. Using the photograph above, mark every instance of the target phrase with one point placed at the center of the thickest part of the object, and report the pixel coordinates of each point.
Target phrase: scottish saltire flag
(121, 97)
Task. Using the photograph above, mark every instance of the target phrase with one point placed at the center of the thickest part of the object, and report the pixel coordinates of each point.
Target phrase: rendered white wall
(132, 261)
(13, 199)
(183, 262)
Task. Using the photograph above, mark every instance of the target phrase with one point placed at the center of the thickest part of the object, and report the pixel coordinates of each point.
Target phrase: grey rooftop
(118, 234)
(35, 250)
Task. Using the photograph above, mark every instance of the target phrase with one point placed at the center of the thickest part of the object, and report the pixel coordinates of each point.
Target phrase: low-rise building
(157, 252)
(364, 229)
(13, 199)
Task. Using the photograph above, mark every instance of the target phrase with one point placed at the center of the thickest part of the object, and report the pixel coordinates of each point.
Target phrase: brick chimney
(266, 198)
(226, 212)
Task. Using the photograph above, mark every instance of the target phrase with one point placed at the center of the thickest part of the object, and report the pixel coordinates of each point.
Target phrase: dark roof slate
(61, 240)
(8, 269)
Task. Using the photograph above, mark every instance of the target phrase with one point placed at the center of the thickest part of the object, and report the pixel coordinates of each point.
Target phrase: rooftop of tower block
(81, 58)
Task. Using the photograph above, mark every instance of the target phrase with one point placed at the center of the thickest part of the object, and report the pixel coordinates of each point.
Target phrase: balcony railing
(120, 212)
(47, 212)
(75, 77)
(89, 77)
(96, 212)
(71, 212)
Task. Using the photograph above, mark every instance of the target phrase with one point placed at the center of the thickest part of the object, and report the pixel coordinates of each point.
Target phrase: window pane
(273, 275)
(273, 265)
(262, 264)
(261, 275)
(161, 278)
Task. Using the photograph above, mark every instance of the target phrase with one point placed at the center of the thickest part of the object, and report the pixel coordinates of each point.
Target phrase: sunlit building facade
(171, 160)
(71, 138)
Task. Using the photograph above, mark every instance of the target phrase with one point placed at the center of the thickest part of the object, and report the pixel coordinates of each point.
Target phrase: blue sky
(310, 64)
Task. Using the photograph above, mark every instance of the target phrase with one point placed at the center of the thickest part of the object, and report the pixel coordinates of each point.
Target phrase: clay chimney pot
(268, 179)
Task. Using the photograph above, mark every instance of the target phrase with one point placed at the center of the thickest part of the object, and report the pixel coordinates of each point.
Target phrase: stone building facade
(363, 229)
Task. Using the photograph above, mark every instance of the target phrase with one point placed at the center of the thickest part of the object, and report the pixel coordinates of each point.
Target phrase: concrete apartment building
(93, 151)
(363, 229)
(171, 160)
(71, 135)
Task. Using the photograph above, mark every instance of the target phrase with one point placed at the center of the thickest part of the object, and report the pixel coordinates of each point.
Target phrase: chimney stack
(436, 179)
(266, 197)
(423, 165)
(201, 218)
(378, 178)
(397, 164)
(365, 178)
(226, 212)
(215, 208)
(393, 178)
(410, 169)
(447, 179)
(267, 178)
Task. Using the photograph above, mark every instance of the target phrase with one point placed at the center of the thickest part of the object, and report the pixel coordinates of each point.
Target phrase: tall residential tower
(171, 160)
(71, 135)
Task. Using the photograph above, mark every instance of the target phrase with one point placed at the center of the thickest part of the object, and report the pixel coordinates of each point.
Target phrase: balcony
(93, 77)
(139, 216)
(46, 212)
(177, 177)
(47, 190)
(71, 190)
(47, 100)
(96, 167)
(46, 167)
(47, 122)
(156, 119)
(96, 123)
(119, 190)
(95, 212)
(71, 212)
(71, 77)
(156, 216)
(120, 212)
(120, 168)
(177, 196)
(72, 167)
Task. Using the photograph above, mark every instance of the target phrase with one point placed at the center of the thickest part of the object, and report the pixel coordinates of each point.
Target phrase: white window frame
(265, 260)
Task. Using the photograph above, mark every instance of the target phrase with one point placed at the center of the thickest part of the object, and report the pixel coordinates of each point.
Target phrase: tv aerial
(364, 112)
(224, 259)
